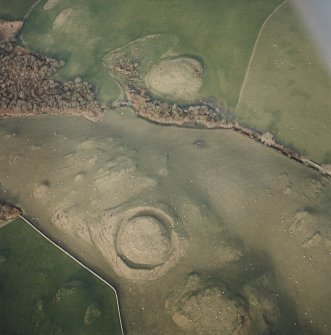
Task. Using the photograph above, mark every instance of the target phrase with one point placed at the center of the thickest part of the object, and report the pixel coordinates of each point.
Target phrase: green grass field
(14, 9)
(220, 32)
(32, 273)
(288, 89)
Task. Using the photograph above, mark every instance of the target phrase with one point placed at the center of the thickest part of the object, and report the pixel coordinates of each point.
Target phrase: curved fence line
(243, 85)
(31, 9)
(81, 264)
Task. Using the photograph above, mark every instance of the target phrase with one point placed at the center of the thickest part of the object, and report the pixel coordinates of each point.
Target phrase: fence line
(81, 264)
(31, 9)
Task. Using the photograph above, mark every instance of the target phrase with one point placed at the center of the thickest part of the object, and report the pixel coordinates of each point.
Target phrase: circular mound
(177, 79)
(143, 242)
(207, 310)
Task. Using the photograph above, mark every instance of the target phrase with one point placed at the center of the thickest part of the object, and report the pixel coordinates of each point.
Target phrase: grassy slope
(14, 9)
(36, 270)
(288, 90)
(221, 32)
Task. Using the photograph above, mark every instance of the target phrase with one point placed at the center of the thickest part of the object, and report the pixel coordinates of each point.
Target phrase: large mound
(141, 243)
(205, 307)
(178, 78)
(207, 310)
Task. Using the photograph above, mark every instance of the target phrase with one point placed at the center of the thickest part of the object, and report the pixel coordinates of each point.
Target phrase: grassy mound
(177, 79)
(219, 32)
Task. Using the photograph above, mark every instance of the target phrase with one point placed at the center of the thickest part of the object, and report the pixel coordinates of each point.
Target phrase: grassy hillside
(43, 291)
(288, 89)
(219, 32)
(14, 9)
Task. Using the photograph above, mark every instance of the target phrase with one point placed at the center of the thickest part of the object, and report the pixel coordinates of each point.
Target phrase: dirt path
(254, 50)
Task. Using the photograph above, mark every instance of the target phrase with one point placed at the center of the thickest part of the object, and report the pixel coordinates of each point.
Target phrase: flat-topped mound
(143, 241)
(207, 310)
(177, 78)
(140, 243)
